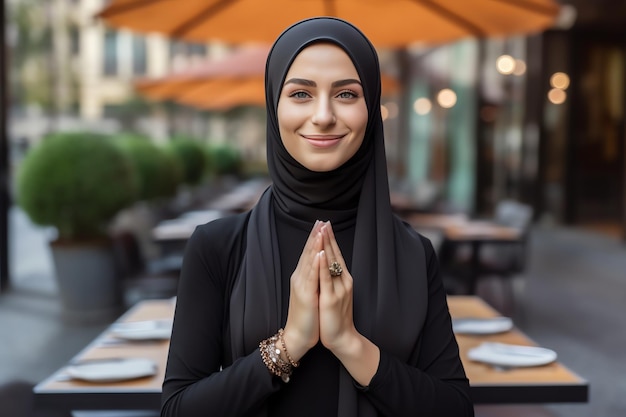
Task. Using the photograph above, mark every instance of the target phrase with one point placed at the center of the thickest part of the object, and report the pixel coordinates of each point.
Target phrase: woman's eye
(347, 94)
(299, 94)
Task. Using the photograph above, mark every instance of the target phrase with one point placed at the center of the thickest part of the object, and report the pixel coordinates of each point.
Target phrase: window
(187, 49)
(139, 55)
(177, 48)
(74, 40)
(197, 49)
(110, 53)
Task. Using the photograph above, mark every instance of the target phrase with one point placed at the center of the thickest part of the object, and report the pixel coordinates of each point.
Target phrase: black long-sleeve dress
(202, 380)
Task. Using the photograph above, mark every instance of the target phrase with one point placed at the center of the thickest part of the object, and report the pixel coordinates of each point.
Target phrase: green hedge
(77, 182)
(192, 158)
(224, 159)
(158, 170)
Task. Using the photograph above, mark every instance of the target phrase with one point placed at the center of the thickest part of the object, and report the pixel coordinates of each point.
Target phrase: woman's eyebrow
(310, 83)
(341, 83)
(301, 81)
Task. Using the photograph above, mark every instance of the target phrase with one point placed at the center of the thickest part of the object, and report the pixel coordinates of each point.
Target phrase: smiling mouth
(323, 141)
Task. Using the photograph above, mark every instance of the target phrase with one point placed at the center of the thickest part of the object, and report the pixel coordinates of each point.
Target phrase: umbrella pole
(404, 70)
(4, 159)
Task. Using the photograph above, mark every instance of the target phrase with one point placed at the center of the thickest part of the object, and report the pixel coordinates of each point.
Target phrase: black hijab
(387, 259)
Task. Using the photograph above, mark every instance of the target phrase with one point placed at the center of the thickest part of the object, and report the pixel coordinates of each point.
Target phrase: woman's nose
(324, 114)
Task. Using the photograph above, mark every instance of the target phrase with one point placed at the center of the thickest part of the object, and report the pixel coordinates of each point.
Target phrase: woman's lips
(323, 141)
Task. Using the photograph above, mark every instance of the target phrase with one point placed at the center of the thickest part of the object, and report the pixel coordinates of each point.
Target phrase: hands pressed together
(320, 307)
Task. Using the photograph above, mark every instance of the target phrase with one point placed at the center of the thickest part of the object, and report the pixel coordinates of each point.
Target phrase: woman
(319, 302)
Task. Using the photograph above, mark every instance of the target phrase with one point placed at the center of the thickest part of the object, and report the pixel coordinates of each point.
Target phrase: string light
(559, 80)
(446, 98)
(422, 106)
(557, 96)
(520, 67)
(384, 112)
(505, 64)
(392, 108)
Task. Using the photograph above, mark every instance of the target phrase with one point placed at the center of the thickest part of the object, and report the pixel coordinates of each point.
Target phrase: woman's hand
(338, 333)
(320, 308)
(302, 330)
(337, 329)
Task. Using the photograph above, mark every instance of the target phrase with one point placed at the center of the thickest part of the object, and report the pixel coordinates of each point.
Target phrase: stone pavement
(573, 303)
(35, 341)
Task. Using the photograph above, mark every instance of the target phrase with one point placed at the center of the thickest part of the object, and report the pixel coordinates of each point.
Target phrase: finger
(313, 282)
(326, 281)
(312, 235)
(335, 260)
(311, 247)
(334, 245)
(330, 253)
(309, 267)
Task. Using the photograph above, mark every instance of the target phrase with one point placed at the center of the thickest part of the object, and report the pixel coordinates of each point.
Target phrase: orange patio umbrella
(224, 94)
(219, 84)
(245, 62)
(388, 23)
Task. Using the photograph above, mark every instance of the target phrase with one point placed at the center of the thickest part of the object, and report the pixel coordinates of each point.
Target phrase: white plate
(113, 370)
(143, 330)
(482, 325)
(501, 354)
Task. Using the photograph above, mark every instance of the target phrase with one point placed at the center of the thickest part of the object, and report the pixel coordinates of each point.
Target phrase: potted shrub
(224, 159)
(192, 157)
(159, 174)
(77, 182)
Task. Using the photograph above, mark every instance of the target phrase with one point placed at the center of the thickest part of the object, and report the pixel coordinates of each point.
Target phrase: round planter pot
(89, 286)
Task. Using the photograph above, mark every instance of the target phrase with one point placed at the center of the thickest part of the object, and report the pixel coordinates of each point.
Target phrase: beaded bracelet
(282, 343)
(270, 354)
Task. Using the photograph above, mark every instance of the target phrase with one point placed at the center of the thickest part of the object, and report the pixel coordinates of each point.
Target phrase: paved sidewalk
(35, 341)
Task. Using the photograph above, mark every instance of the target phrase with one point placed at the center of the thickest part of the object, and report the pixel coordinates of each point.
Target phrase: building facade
(539, 119)
(582, 180)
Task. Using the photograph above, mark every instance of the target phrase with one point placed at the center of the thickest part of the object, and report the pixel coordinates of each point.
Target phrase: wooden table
(546, 384)
(241, 198)
(439, 221)
(552, 383)
(60, 395)
(458, 229)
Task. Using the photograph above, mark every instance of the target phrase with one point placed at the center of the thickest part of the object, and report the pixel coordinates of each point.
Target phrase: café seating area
(505, 258)
(564, 311)
(472, 249)
(123, 367)
(469, 249)
(153, 277)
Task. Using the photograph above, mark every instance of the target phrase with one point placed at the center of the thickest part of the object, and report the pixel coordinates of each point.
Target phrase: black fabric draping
(388, 298)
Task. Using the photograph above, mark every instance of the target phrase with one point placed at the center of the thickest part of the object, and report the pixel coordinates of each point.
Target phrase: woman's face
(322, 113)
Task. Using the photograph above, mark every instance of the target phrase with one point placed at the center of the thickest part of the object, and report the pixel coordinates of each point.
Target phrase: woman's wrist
(294, 345)
(350, 344)
(359, 356)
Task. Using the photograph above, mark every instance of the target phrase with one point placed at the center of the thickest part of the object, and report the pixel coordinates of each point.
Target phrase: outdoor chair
(506, 262)
(144, 279)
(16, 399)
